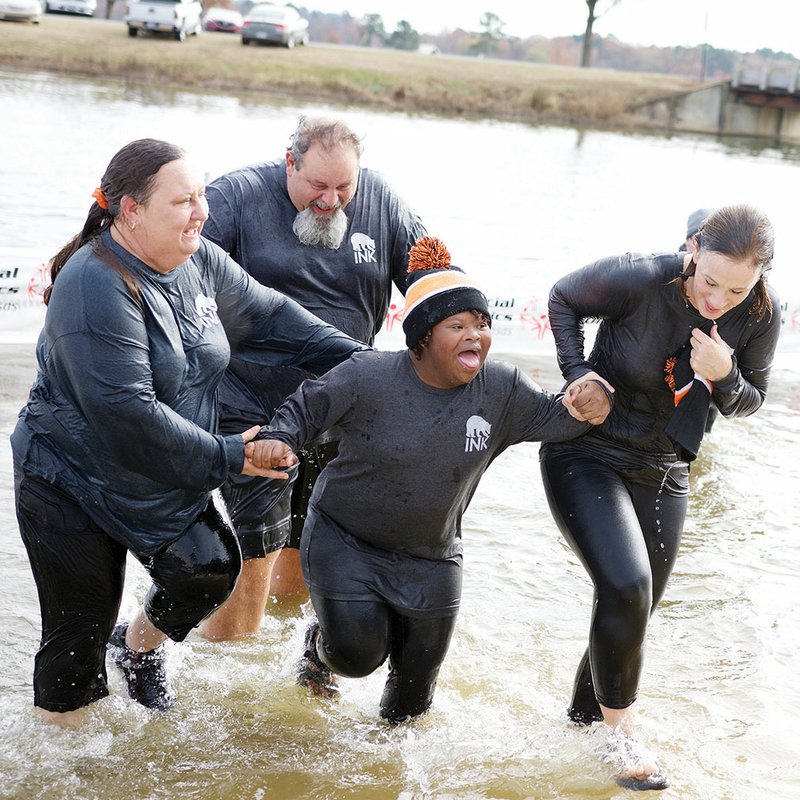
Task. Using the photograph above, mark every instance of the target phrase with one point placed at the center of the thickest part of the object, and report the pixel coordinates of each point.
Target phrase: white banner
(519, 321)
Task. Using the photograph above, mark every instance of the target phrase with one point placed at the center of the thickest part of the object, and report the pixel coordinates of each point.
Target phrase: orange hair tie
(100, 196)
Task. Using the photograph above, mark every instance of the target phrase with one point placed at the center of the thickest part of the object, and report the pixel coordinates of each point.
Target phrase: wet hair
(743, 233)
(328, 133)
(132, 172)
(425, 340)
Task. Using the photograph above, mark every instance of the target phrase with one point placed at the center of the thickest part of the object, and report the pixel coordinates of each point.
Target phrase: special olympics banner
(519, 321)
(24, 274)
(519, 324)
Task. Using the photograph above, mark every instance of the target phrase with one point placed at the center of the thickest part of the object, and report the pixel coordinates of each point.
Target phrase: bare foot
(636, 765)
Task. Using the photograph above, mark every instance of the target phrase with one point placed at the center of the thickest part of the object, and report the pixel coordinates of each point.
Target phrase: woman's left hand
(711, 356)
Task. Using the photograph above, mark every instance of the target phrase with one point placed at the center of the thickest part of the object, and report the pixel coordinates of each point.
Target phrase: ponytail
(762, 305)
(97, 219)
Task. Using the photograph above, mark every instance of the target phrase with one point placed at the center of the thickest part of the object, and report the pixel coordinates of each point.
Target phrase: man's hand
(261, 458)
(585, 399)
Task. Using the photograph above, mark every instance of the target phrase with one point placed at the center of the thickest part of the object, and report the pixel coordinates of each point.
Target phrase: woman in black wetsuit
(699, 321)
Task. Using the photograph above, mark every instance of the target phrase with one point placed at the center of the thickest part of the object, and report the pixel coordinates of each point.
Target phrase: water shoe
(145, 673)
(311, 672)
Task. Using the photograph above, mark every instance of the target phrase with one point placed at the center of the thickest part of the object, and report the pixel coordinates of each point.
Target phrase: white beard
(317, 231)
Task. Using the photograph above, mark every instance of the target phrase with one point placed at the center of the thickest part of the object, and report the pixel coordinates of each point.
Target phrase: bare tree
(594, 14)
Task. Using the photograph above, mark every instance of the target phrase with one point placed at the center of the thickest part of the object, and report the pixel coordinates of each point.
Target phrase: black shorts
(261, 510)
(412, 586)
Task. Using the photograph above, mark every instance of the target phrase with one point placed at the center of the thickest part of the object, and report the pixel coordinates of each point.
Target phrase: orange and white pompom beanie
(436, 289)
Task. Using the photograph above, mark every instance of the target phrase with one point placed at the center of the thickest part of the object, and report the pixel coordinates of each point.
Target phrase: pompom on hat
(436, 289)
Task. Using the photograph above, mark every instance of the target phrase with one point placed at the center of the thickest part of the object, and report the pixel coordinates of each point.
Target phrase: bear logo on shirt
(206, 308)
(478, 430)
(363, 248)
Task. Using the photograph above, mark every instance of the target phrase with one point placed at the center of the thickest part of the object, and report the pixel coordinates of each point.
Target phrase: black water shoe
(311, 672)
(145, 673)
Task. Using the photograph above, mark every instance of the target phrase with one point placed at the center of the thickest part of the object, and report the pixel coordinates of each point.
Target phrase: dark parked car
(272, 24)
(222, 19)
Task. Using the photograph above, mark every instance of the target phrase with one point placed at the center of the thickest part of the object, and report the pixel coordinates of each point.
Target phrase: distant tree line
(702, 62)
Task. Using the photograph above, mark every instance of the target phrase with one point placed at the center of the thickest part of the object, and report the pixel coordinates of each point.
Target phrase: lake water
(517, 206)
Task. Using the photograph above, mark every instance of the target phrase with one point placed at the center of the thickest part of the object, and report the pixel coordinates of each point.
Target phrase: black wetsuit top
(644, 320)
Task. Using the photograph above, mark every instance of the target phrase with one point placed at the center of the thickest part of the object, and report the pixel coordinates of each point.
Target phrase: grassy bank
(383, 79)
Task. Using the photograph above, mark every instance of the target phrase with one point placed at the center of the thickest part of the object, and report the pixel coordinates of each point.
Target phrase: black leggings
(194, 574)
(358, 635)
(80, 573)
(627, 536)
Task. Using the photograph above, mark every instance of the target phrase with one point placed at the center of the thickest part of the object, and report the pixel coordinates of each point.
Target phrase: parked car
(84, 7)
(222, 19)
(273, 24)
(21, 10)
(178, 18)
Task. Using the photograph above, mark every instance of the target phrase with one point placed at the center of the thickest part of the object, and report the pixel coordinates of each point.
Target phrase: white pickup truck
(179, 18)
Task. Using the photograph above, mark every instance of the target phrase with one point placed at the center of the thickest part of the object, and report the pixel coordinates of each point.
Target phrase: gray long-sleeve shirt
(251, 217)
(411, 456)
(123, 413)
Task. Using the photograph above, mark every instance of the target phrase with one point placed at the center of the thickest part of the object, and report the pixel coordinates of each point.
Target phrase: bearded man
(335, 237)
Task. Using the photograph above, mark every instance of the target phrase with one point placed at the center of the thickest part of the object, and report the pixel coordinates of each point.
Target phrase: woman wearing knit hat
(381, 548)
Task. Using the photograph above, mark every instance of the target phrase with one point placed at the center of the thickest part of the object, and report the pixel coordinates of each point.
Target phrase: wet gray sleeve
(409, 229)
(221, 227)
(314, 407)
(535, 415)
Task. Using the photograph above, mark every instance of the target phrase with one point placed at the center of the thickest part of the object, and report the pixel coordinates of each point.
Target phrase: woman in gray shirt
(381, 549)
(117, 449)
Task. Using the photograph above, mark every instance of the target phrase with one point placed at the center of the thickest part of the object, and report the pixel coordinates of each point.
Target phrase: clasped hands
(585, 399)
(266, 457)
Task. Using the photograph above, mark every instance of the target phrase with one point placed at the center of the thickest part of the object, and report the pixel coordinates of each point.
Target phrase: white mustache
(325, 207)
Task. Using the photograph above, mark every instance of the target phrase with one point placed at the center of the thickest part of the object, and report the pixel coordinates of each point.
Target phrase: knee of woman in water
(632, 595)
(354, 658)
(200, 566)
